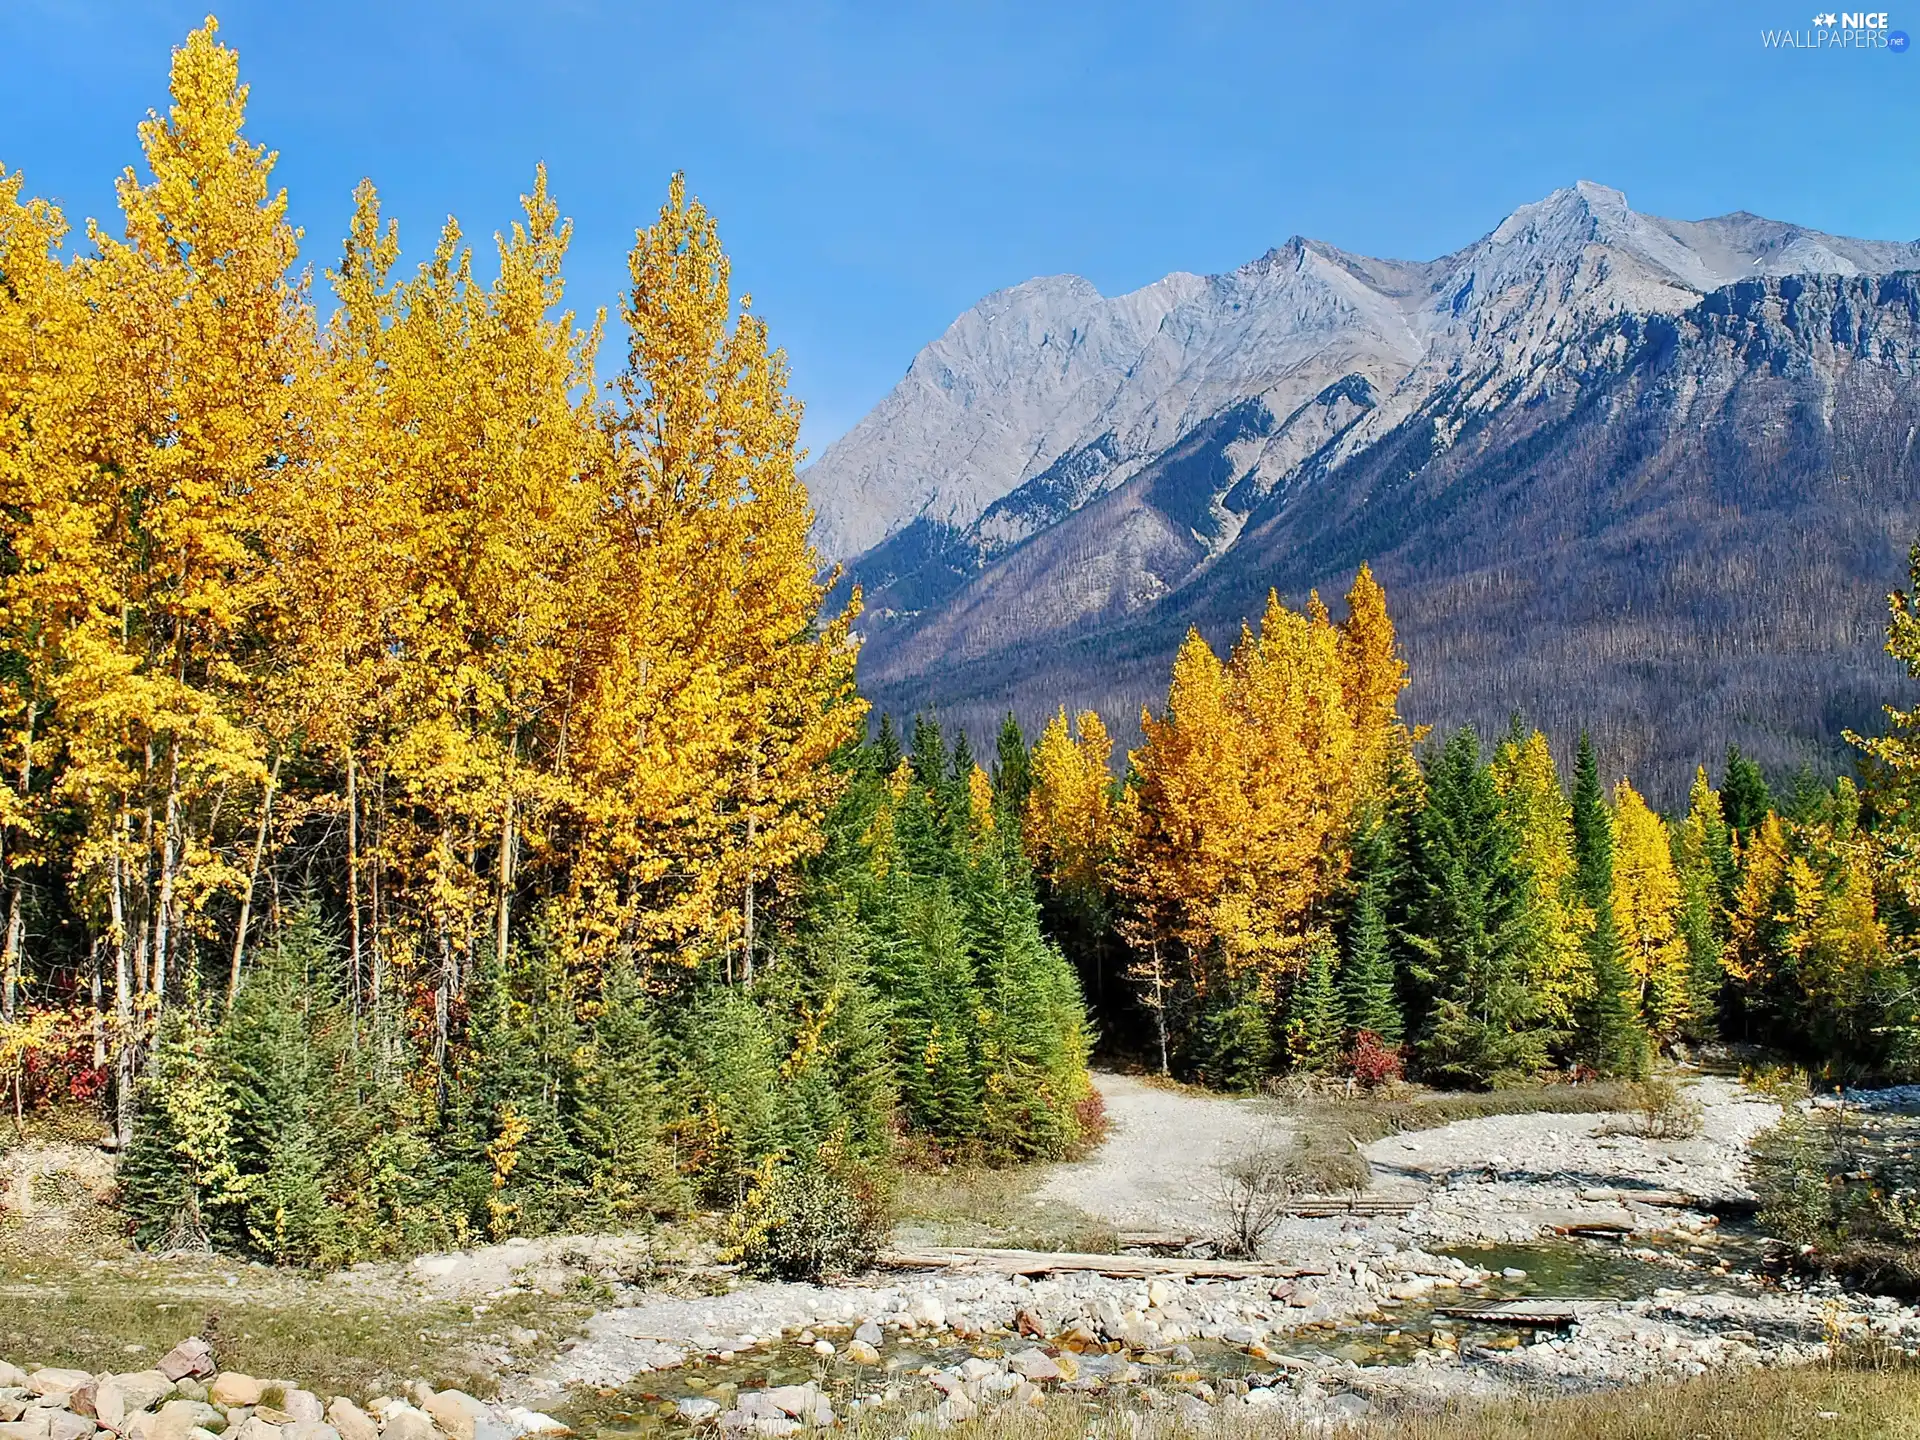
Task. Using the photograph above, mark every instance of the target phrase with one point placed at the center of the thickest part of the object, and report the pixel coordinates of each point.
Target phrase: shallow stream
(1564, 1269)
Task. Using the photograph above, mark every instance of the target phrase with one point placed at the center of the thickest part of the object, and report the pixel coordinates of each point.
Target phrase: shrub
(1373, 1062)
(1789, 1173)
(1260, 1186)
(1659, 1110)
(805, 1219)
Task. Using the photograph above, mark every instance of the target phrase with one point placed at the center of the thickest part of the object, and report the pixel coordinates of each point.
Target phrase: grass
(978, 1205)
(1793, 1404)
(325, 1335)
(1332, 1126)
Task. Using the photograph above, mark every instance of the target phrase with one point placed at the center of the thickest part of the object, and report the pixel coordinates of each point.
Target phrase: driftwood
(1315, 1207)
(981, 1260)
(1548, 1314)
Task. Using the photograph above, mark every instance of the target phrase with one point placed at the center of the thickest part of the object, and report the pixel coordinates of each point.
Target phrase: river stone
(176, 1417)
(869, 1333)
(309, 1430)
(49, 1380)
(456, 1412)
(532, 1422)
(191, 1357)
(1418, 1288)
(698, 1411)
(956, 1408)
(302, 1404)
(403, 1422)
(65, 1425)
(118, 1396)
(351, 1421)
(32, 1425)
(1033, 1365)
(254, 1428)
(231, 1388)
(926, 1310)
(861, 1353)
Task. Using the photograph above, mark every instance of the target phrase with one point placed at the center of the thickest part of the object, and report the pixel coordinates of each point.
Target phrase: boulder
(1035, 1365)
(532, 1422)
(698, 1411)
(1417, 1288)
(176, 1417)
(51, 1380)
(403, 1422)
(309, 1430)
(11, 1375)
(302, 1404)
(254, 1428)
(351, 1421)
(869, 1333)
(926, 1310)
(32, 1425)
(65, 1425)
(191, 1357)
(861, 1353)
(119, 1396)
(231, 1387)
(456, 1412)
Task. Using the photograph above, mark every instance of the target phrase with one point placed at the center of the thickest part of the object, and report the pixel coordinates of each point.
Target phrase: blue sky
(876, 168)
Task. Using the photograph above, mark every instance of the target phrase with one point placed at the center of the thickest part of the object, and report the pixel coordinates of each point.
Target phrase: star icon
(1829, 19)
(1817, 20)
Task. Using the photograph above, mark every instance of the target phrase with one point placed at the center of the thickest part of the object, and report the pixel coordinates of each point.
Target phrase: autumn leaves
(394, 607)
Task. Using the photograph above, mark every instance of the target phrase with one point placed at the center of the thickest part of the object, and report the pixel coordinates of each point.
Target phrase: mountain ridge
(1088, 469)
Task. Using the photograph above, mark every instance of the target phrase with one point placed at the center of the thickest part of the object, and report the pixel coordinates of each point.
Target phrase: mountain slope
(1646, 475)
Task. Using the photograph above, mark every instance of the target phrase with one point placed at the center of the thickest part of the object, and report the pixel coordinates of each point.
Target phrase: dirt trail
(1160, 1166)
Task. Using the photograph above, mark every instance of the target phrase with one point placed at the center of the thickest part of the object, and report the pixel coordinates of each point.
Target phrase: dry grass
(124, 1313)
(1799, 1404)
(977, 1205)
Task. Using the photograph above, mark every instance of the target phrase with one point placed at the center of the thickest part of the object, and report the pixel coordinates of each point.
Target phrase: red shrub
(1373, 1062)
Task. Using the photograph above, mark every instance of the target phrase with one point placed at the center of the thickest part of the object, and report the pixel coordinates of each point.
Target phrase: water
(1566, 1269)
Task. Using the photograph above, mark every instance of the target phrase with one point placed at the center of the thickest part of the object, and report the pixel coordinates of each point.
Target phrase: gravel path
(1160, 1166)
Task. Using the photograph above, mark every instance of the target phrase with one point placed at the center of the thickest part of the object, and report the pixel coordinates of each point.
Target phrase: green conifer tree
(1744, 795)
(1473, 932)
(1592, 831)
(1012, 775)
(1316, 1019)
(1367, 987)
(1612, 1038)
(886, 747)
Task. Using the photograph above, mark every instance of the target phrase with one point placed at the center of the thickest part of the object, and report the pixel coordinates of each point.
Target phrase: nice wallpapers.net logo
(1864, 30)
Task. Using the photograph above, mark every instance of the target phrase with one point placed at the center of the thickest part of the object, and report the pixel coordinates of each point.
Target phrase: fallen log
(974, 1259)
(1155, 1240)
(1547, 1314)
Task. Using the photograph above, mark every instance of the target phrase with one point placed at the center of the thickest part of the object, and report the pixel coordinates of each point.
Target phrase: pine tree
(620, 1117)
(886, 748)
(1367, 974)
(1012, 772)
(1592, 831)
(1744, 794)
(1473, 929)
(1316, 1019)
(1612, 1039)
(1703, 863)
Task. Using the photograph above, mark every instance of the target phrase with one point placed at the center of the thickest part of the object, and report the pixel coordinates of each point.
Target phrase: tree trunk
(353, 882)
(1160, 1007)
(10, 965)
(169, 863)
(123, 1064)
(503, 919)
(253, 875)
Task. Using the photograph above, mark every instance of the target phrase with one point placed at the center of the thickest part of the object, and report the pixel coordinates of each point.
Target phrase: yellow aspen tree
(1372, 673)
(1752, 928)
(719, 694)
(1187, 811)
(204, 360)
(1299, 760)
(1070, 811)
(1646, 900)
(1541, 820)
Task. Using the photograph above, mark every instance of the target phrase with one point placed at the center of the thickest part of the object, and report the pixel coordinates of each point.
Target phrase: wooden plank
(1047, 1262)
